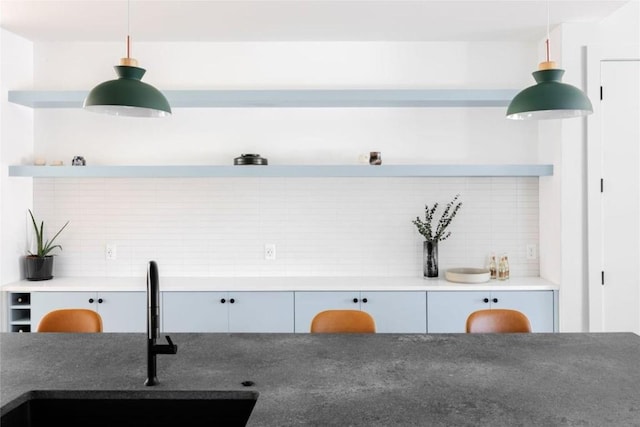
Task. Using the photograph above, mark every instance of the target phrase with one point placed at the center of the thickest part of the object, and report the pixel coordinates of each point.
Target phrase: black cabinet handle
(495, 300)
(100, 300)
(91, 300)
(232, 300)
(355, 300)
(486, 300)
(365, 300)
(222, 301)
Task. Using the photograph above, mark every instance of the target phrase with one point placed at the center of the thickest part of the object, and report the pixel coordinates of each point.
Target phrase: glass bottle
(502, 269)
(493, 268)
(506, 267)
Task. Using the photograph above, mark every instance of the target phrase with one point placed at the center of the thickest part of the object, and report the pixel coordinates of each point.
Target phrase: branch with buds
(425, 227)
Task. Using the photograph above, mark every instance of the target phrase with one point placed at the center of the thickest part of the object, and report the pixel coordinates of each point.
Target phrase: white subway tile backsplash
(321, 226)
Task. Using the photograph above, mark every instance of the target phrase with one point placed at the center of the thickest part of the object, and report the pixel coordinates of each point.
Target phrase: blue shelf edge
(290, 98)
(199, 171)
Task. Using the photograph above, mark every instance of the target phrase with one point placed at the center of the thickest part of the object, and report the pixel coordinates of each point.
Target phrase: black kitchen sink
(74, 408)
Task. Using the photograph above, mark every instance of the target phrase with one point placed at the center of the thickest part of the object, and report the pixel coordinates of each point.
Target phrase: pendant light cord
(128, 29)
(129, 61)
(548, 64)
(548, 37)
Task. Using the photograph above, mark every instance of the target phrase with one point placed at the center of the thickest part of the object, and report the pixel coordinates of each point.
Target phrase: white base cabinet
(227, 312)
(120, 311)
(308, 304)
(448, 310)
(194, 312)
(19, 311)
(393, 312)
(261, 312)
(285, 311)
(397, 312)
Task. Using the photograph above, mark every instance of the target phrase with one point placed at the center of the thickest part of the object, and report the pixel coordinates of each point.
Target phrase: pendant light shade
(549, 98)
(128, 95)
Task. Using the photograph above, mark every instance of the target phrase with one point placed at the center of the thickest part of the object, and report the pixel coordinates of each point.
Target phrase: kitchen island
(358, 380)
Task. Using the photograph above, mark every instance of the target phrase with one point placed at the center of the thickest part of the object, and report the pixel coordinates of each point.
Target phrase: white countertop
(288, 283)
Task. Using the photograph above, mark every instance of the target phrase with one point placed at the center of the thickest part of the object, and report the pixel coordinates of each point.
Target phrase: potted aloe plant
(40, 262)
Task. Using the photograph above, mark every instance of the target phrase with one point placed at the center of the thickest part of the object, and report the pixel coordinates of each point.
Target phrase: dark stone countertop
(357, 380)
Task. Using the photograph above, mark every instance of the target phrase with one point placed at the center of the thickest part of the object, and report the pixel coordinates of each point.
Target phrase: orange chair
(71, 320)
(343, 321)
(497, 320)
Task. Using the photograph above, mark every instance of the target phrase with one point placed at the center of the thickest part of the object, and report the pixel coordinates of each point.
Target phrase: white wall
(321, 226)
(312, 136)
(290, 64)
(622, 27)
(563, 198)
(618, 39)
(501, 214)
(215, 136)
(289, 136)
(16, 146)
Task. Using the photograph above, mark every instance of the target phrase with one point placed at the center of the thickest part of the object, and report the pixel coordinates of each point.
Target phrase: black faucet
(153, 325)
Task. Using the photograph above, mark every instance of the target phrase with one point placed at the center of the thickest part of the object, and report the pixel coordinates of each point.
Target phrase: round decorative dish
(467, 275)
(250, 159)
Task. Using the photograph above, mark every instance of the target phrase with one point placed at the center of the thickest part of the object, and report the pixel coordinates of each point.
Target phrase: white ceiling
(299, 20)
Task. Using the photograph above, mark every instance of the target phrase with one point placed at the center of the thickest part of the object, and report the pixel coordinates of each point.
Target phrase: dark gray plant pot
(39, 268)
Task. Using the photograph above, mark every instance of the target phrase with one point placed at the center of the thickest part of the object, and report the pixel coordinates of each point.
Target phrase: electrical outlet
(270, 251)
(532, 252)
(110, 252)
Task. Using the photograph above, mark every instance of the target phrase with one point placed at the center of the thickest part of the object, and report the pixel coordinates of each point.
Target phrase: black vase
(430, 258)
(39, 268)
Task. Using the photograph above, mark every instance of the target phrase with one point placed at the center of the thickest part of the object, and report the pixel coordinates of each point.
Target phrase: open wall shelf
(195, 171)
(288, 98)
(292, 98)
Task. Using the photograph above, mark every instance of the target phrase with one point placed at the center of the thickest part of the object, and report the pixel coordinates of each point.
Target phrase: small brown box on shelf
(375, 158)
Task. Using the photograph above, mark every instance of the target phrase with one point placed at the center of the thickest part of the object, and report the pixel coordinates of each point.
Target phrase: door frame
(595, 55)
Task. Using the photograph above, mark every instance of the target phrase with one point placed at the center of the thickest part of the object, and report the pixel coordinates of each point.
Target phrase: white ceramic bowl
(467, 275)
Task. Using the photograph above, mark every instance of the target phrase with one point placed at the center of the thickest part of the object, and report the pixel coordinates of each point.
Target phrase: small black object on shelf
(250, 159)
(78, 161)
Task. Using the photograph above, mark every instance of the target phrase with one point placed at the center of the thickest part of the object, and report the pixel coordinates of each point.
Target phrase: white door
(447, 311)
(120, 311)
(261, 312)
(620, 127)
(536, 305)
(195, 312)
(396, 312)
(44, 302)
(308, 304)
(123, 311)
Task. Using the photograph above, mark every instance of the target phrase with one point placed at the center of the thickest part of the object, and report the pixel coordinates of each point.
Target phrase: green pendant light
(127, 95)
(549, 98)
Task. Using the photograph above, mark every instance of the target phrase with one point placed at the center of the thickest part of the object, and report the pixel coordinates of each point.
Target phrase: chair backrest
(71, 320)
(497, 321)
(343, 321)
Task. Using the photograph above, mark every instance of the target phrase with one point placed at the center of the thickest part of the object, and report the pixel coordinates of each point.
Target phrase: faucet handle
(174, 347)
